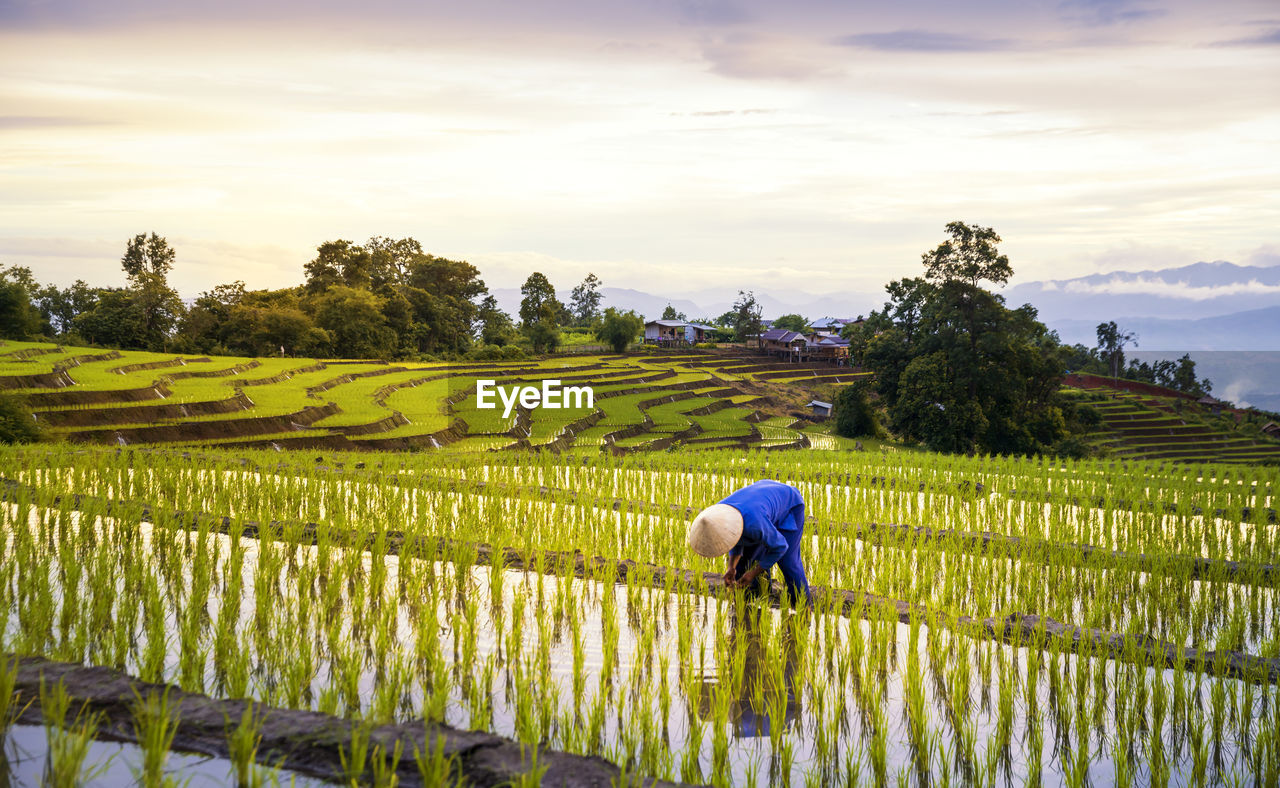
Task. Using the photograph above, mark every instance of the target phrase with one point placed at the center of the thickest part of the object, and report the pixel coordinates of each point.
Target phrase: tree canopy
(584, 301)
(540, 313)
(957, 369)
(792, 323)
(619, 329)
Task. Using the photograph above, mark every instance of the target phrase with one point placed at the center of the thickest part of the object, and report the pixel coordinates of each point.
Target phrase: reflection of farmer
(758, 526)
(751, 712)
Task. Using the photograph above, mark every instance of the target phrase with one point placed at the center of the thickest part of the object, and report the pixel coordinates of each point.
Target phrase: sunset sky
(666, 145)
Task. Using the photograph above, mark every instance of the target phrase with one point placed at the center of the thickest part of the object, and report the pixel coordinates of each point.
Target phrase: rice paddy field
(976, 621)
(640, 403)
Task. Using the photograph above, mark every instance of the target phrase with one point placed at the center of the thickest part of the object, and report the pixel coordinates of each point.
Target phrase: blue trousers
(791, 566)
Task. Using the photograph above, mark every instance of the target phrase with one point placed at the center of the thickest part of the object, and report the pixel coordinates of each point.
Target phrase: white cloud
(1163, 289)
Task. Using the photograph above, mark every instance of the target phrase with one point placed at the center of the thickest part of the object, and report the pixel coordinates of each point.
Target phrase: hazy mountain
(1193, 291)
(1247, 378)
(1256, 329)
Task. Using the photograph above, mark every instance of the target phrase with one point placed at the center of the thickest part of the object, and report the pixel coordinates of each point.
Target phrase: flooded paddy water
(665, 678)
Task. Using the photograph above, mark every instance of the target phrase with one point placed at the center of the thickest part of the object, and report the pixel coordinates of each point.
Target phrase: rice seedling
(155, 725)
(68, 739)
(311, 613)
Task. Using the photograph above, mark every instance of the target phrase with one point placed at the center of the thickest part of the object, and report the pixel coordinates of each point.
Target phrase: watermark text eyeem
(549, 395)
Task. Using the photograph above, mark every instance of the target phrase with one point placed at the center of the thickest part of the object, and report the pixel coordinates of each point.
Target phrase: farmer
(758, 526)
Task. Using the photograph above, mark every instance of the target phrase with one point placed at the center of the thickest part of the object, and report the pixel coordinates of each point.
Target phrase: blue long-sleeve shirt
(771, 512)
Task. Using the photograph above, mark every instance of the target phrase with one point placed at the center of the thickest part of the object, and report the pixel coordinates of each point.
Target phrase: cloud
(1103, 13)
(1162, 289)
(46, 122)
(1270, 38)
(1265, 256)
(924, 41)
(759, 56)
(722, 113)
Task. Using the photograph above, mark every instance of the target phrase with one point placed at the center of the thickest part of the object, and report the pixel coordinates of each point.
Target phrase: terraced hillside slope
(1143, 426)
(640, 403)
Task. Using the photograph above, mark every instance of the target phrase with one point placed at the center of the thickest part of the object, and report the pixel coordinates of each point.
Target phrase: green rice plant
(242, 744)
(68, 739)
(532, 776)
(155, 725)
(354, 756)
(435, 767)
(384, 767)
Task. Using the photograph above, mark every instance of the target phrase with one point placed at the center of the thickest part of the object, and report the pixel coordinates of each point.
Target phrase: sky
(669, 146)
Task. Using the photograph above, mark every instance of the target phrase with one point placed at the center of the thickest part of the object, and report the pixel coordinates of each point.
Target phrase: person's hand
(729, 580)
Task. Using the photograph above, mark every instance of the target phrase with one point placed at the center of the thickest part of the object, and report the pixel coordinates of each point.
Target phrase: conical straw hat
(715, 530)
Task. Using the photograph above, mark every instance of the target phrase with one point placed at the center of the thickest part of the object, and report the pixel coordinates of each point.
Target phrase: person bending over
(758, 526)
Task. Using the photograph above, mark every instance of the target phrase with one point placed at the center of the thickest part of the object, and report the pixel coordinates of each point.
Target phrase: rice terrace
(345, 572)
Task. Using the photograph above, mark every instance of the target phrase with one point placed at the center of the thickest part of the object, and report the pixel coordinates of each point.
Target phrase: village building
(820, 408)
(794, 346)
(673, 333)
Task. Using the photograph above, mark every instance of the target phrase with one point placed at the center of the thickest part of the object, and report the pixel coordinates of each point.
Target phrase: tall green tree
(959, 371)
(746, 316)
(584, 300)
(540, 313)
(670, 313)
(619, 329)
(1112, 341)
(147, 261)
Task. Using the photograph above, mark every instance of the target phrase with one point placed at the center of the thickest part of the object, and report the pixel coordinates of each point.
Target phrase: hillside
(640, 402)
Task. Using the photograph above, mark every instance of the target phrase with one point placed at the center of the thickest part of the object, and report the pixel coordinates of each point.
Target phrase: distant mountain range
(1190, 292)
(1205, 306)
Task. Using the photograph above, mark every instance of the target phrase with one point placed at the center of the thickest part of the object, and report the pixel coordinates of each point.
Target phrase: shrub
(16, 422)
(854, 416)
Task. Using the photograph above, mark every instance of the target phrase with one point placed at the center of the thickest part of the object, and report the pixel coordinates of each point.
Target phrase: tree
(958, 370)
(670, 313)
(59, 307)
(619, 329)
(854, 416)
(147, 261)
(1111, 344)
(19, 317)
(354, 320)
(540, 313)
(746, 316)
(1183, 377)
(116, 320)
(970, 256)
(792, 323)
(584, 301)
(339, 263)
(495, 327)
(204, 327)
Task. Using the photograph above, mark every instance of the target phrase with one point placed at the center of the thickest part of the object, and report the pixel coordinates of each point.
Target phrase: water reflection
(768, 696)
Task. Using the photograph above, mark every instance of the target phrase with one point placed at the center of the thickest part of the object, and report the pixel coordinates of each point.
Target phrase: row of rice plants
(697, 689)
